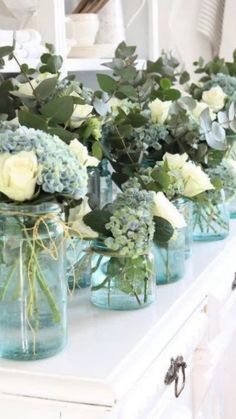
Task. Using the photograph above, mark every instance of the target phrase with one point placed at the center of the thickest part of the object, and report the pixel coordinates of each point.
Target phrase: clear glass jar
(100, 184)
(230, 199)
(122, 283)
(78, 263)
(170, 259)
(211, 217)
(185, 207)
(33, 290)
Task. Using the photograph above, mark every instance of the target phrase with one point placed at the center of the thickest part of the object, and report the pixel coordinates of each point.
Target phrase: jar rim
(43, 208)
(99, 247)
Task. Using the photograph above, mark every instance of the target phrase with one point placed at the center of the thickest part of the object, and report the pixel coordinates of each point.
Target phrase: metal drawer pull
(172, 375)
(234, 282)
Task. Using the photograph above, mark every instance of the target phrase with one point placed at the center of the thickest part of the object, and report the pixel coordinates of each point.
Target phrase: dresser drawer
(13, 407)
(151, 387)
(223, 277)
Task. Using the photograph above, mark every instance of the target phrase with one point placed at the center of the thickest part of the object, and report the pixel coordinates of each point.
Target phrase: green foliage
(163, 230)
(97, 219)
(46, 88)
(107, 83)
(59, 109)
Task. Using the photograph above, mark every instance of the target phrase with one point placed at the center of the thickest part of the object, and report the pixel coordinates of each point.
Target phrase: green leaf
(46, 88)
(50, 48)
(128, 91)
(97, 150)
(107, 83)
(137, 120)
(165, 83)
(100, 106)
(44, 58)
(172, 94)
(216, 138)
(63, 134)
(163, 230)
(97, 220)
(184, 78)
(127, 74)
(161, 177)
(4, 51)
(32, 121)
(123, 51)
(155, 66)
(119, 178)
(52, 65)
(59, 109)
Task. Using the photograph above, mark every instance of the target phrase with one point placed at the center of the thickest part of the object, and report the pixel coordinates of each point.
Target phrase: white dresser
(115, 363)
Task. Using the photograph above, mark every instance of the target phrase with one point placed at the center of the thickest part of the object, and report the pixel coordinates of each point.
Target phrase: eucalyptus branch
(26, 75)
(123, 143)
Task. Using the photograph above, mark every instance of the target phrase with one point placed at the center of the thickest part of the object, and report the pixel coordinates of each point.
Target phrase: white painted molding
(51, 20)
(153, 47)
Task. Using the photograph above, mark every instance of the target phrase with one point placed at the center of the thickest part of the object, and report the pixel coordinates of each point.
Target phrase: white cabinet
(115, 364)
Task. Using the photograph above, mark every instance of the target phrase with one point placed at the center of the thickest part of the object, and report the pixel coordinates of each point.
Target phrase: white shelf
(92, 64)
(72, 64)
(85, 64)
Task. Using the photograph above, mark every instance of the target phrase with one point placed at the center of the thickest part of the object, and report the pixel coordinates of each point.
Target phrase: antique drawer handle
(234, 282)
(176, 366)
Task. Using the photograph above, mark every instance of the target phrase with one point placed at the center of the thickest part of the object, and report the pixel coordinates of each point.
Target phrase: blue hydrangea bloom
(60, 171)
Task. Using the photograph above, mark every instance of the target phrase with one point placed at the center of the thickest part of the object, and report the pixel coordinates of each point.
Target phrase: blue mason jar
(33, 289)
(230, 198)
(78, 263)
(122, 283)
(170, 259)
(211, 217)
(100, 184)
(185, 207)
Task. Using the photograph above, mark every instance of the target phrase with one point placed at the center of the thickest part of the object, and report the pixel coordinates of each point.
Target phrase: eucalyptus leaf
(233, 125)
(6, 50)
(59, 109)
(32, 121)
(123, 51)
(223, 119)
(97, 220)
(216, 138)
(232, 111)
(189, 102)
(184, 78)
(165, 83)
(46, 88)
(100, 106)
(128, 91)
(107, 83)
(163, 230)
(172, 94)
(205, 120)
(63, 134)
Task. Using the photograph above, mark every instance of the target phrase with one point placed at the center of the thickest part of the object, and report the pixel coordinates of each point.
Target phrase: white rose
(159, 111)
(125, 104)
(165, 209)
(195, 180)
(214, 98)
(76, 220)
(199, 108)
(80, 113)
(175, 161)
(81, 153)
(18, 175)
